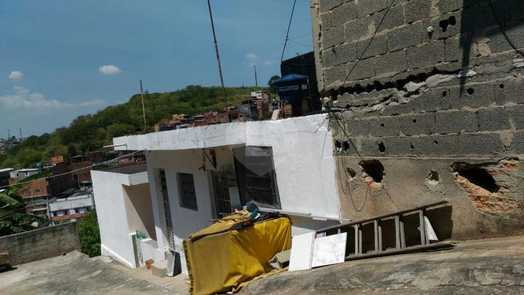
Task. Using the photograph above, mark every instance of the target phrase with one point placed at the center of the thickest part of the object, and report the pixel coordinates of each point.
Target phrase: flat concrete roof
(228, 134)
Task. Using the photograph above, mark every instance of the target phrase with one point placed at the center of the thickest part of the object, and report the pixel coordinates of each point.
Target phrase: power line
(288, 29)
(502, 29)
(217, 50)
(386, 12)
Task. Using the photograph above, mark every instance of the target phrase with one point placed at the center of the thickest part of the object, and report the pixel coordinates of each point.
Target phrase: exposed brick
(509, 91)
(417, 10)
(498, 42)
(445, 6)
(385, 126)
(425, 55)
(405, 36)
(417, 124)
(456, 122)
(371, 6)
(447, 25)
(326, 5)
(480, 144)
(334, 74)
(517, 145)
(359, 29)
(372, 47)
(390, 64)
(338, 55)
(516, 114)
(333, 36)
(393, 18)
(436, 145)
(364, 69)
(493, 119)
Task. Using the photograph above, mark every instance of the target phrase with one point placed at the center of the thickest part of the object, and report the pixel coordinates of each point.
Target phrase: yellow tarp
(221, 257)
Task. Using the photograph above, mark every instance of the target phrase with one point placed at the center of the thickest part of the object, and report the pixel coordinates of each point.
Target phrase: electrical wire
(288, 29)
(386, 12)
(502, 29)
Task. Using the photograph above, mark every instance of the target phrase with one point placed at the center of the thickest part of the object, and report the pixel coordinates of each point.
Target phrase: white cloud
(23, 98)
(251, 59)
(16, 76)
(109, 70)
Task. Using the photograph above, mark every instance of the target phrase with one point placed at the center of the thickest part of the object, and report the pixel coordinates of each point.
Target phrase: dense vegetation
(89, 233)
(91, 132)
(13, 218)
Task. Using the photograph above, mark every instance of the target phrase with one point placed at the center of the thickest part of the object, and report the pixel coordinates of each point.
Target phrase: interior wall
(139, 209)
(112, 217)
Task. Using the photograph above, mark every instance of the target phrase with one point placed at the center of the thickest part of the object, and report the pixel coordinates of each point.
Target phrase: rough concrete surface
(75, 273)
(494, 266)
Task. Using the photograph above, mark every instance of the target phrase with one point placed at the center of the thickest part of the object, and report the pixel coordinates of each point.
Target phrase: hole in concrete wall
(382, 125)
(398, 84)
(444, 24)
(433, 176)
(414, 120)
(338, 144)
(374, 169)
(501, 86)
(435, 141)
(470, 91)
(411, 146)
(444, 93)
(346, 146)
(352, 173)
(452, 20)
(381, 147)
(476, 175)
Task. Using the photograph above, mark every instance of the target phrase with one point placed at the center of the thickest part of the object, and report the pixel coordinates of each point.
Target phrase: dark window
(186, 187)
(256, 176)
(167, 207)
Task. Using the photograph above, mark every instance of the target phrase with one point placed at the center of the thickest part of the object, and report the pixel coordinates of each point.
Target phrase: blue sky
(63, 58)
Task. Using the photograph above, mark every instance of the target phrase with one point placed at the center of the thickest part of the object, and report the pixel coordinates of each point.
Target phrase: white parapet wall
(302, 153)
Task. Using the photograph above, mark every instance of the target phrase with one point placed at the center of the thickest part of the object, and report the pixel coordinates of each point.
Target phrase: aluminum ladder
(395, 233)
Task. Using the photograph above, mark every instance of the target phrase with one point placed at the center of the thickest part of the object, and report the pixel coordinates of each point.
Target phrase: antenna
(8, 134)
(20, 130)
(143, 106)
(256, 75)
(217, 50)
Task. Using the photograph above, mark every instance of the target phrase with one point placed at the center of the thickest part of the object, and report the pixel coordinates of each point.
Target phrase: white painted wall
(302, 152)
(112, 213)
(112, 216)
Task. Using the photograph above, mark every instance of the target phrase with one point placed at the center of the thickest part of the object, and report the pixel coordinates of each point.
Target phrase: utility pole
(8, 134)
(217, 50)
(21, 137)
(256, 75)
(143, 106)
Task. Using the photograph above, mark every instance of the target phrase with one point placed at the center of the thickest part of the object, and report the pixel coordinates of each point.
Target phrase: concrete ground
(75, 273)
(494, 266)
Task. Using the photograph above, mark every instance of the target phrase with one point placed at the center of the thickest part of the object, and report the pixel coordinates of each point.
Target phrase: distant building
(21, 174)
(4, 176)
(35, 195)
(75, 206)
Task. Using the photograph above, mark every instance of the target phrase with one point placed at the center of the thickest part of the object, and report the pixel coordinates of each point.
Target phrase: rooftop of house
(227, 134)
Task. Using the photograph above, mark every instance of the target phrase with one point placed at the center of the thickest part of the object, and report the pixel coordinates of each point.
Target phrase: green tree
(13, 218)
(90, 235)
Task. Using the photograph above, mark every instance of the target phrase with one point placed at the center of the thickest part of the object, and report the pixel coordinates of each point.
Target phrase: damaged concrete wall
(428, 88)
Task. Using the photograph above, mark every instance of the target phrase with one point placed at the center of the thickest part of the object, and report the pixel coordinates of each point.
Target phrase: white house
(123, 205)
(199, 174)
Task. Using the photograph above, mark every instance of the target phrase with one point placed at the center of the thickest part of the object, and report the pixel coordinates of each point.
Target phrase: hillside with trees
(91, 132)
